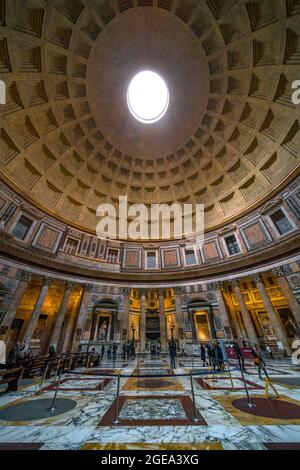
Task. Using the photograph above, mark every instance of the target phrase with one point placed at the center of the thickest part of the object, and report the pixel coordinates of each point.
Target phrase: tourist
(239, 355)
(115, 349)
(102, 351)
(220, 357)
(124, 349)
(109, 352)
(214, 357)
(173, 354)
(12, 359)
(203, 355)
(51, 352)
(269, 351)
(208, 349)
(2, 354)
(259, 362)
(22, 352)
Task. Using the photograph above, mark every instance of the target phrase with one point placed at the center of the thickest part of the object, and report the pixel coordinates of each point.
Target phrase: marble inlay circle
(34, 410)
(269, 408)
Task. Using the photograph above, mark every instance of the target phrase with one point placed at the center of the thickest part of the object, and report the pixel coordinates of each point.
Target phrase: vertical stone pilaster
(60, 316)
(36, 311)
(278, 328)
(143, 321)
(10, 314)
(245, 314)
(86, 295)
(162, 321)
(126, 311)
(288, 293)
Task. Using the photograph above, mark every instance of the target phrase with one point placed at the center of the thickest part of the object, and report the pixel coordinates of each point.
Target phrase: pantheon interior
(94, 319)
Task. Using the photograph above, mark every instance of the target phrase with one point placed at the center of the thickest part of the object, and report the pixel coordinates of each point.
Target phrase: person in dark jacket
(51, 352)
(209, 353)
(220, 357)
(124, 349)
(203, 355)
(215, 357)
(259, 362)
(102, 351)
(173, 354)
(12, 359)
(239, 355)
(109, 352)
(115, 349)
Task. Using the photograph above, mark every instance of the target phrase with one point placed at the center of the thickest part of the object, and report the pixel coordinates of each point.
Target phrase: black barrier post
(195, 417)
(116, 420)
(53, 407)
(249, 404)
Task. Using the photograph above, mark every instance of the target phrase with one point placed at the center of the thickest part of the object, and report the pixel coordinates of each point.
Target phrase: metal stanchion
(195, 418)
(116, 420)
(232, 386)
(58, 367)
(53, 407)
(88, 362)
(193, 363)
(249, 404)
(70, 366)
(39, 391)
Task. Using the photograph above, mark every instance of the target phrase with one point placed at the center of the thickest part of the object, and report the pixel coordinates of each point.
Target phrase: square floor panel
(221, 383)
(153, 411)
(81, 384)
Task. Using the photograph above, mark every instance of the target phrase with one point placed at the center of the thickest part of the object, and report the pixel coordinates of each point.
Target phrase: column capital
(177, 290)
(88, 287)
(46, 281)
(161, 292)
(24, 276)
(213, 286)
(126, 291)
(258, 279)
(282, 271)
(70, 286)
(236, 283)
(143, 292)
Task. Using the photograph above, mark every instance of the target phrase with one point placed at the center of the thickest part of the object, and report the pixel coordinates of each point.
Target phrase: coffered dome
(229, 139)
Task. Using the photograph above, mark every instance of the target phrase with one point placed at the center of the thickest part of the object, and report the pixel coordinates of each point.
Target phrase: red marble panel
(255, 234)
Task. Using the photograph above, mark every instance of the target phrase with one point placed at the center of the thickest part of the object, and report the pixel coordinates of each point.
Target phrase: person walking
(115, 349)
(209, 352)
(220, 357)
(102, 351)
(12, 359)
(109, 352)
(239, 355)
(173, 354)
(259, 362)
(124, 349)
(203, 355)
(215, 358)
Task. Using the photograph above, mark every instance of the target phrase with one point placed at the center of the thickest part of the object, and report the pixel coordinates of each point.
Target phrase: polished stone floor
(156, 412)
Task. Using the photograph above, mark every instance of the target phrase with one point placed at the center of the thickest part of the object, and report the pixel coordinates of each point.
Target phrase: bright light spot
(148, 97)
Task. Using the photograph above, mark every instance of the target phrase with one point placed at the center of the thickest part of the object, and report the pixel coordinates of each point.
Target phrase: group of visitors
(18, 353)
(128, 349)
(212, 355)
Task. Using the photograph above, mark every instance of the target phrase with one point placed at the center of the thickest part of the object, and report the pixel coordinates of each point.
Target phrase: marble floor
(155, 412)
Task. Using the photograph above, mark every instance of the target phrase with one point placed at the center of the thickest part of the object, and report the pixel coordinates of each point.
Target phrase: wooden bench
(11, 377)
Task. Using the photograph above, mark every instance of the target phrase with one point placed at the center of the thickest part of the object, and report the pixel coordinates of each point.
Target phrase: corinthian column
(36, 311)
(162, 321)
(245, 314)
(278, 328)
(126, 310)
(179, 313)
(216, 287)
(10, 314)
(85, 299)
(287, 292)
(60, 316)
(143, 321)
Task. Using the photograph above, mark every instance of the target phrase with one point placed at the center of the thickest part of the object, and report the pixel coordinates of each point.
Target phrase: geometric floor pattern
(155, 412)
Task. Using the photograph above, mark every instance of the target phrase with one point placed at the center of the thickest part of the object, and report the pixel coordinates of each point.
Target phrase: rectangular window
(151, 260)
(232, 245)
(190, 257)
(281, 222)
(113, 256)
(22, 228)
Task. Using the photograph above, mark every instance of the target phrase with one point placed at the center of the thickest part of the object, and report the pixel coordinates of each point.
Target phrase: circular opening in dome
(148, 97)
